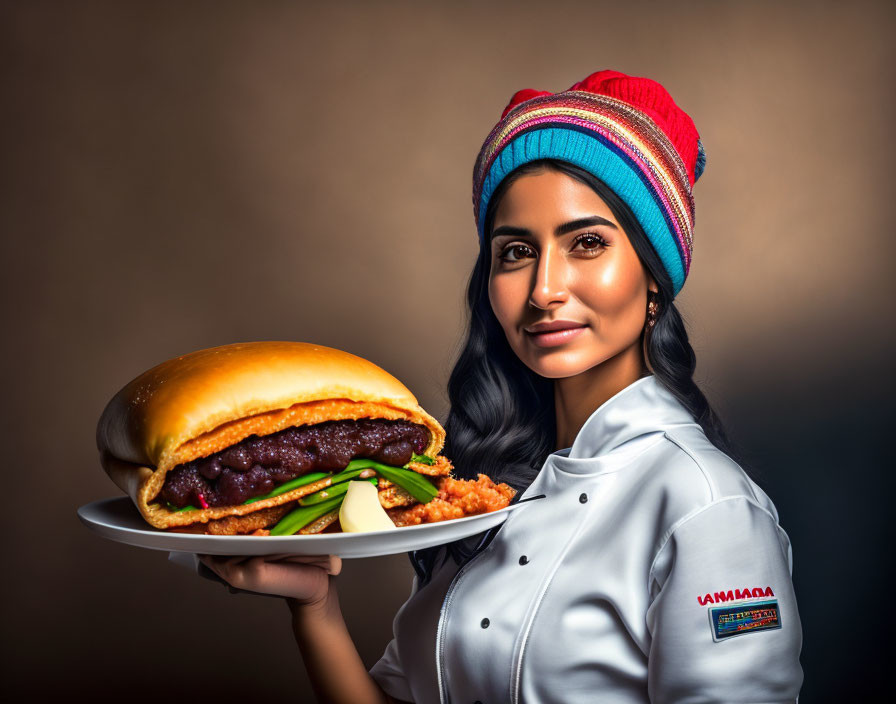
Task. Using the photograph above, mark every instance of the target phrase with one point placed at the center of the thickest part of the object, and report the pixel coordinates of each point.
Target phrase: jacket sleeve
(389, 675)
(388, 671)
(723, 618)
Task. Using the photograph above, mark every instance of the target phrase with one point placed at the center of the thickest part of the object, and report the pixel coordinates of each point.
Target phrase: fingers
(227, 568)
(244, 572)
(220, 562)
(331, 563)
(298, 575)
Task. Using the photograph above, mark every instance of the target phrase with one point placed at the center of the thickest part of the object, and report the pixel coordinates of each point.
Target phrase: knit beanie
(626, 131)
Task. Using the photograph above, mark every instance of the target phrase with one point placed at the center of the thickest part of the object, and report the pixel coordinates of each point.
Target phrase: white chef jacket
(654, 570)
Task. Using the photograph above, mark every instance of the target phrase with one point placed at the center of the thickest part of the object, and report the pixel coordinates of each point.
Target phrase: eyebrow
(561, 229)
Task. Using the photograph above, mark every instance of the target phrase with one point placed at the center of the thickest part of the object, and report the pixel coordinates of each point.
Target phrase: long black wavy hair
(501, 421)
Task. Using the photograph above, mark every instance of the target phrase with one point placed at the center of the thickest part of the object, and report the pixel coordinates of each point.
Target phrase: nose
(549, 289)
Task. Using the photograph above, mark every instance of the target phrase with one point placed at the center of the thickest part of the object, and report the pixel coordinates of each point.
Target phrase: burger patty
(256, 465)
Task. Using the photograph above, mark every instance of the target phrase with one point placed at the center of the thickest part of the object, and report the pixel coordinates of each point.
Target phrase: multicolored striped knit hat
(626, 131)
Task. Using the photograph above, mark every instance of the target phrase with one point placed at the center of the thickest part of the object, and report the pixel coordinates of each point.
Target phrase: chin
(560, 364)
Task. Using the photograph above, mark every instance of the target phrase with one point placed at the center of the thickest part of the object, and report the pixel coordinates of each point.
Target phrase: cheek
(613, 290)
(504, 295)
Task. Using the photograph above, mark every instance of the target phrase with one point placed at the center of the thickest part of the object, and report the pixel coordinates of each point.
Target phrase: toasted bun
(202, 402)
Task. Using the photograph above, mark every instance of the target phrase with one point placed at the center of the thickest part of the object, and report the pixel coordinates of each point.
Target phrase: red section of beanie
(646, 95)
(521, 96)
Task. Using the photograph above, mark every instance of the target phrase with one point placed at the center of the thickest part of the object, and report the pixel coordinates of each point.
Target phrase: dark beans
(237, 457)
(211, 469)
(397, 454)
(256, 465)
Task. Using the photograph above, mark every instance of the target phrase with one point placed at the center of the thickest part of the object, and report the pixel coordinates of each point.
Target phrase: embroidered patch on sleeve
(728, 621)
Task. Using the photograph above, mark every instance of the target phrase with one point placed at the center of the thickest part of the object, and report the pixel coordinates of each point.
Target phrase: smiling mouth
(553, 326)
(554, 334)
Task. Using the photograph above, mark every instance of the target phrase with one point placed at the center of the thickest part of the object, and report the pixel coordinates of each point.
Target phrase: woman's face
(561, 259)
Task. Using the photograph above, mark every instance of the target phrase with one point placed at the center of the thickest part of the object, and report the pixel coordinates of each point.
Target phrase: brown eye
(591, 242)
(515, 252)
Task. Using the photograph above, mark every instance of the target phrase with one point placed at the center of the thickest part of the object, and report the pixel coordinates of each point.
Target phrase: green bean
(324, 494)
(295, 520)
(291, 484)
(351, 472)
(328, 493)
(415, 484)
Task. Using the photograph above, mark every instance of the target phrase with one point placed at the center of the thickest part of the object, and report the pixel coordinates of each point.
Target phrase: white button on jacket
(655, 571)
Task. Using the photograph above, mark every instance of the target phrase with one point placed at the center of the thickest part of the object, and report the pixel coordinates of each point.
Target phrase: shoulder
(721, 475)
(683, 474)
(704, 500)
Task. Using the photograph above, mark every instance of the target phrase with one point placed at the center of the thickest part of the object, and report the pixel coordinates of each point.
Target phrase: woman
(653, 568)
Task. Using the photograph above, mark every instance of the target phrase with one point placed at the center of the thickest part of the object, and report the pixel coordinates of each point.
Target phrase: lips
(552, 334)
(553, 326)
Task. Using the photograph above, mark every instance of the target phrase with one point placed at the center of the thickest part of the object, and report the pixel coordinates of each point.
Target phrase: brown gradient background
(183, 175)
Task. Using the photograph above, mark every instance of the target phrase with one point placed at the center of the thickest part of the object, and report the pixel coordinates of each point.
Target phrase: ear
(652, 285)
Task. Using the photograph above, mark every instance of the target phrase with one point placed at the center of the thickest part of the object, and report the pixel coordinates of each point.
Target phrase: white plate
(118, 520)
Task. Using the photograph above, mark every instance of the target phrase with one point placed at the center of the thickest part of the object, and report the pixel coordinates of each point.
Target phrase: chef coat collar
(642, 407)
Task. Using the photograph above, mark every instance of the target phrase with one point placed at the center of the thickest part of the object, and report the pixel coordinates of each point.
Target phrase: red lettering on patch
(734, 595)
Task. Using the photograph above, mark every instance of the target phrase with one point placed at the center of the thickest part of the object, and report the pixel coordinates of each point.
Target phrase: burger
(268, 438)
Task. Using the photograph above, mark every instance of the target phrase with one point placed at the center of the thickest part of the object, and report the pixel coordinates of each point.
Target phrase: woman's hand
(304, 578)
